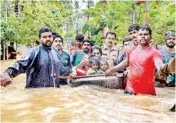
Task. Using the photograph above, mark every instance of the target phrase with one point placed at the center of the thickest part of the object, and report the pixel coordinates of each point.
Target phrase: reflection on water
(82, 104)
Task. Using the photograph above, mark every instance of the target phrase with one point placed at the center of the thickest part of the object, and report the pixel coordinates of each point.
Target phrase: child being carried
(94, 64)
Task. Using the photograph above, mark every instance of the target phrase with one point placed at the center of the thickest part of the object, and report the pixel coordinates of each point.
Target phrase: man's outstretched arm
(122, 65)
(18, 67)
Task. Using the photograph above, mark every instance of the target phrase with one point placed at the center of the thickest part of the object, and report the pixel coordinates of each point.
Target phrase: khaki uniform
(110, 55)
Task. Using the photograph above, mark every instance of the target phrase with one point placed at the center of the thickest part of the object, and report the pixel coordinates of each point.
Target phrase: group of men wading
(45, 62)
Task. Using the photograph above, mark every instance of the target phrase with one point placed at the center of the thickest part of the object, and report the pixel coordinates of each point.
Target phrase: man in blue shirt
(42, 65)
(168, 53)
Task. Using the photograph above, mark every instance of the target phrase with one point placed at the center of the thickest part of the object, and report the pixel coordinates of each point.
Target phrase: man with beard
(168, 53)
(42, 65)
(83, 64)
(109, 51)
(77, 56)
(142, 61)
(65, 57)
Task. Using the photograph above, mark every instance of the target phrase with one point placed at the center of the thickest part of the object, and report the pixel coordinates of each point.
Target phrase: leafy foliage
(35, 14)
(117, 16)
(23, 26)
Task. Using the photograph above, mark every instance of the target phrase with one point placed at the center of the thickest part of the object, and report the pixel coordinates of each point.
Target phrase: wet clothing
(141, 70)
(94, 72)
(42, 66)
(166, 56)
(65, 58)
(121, 57)
(81, 69)
(76, 57)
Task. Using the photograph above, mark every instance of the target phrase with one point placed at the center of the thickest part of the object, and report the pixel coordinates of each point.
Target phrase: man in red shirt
(142, 61)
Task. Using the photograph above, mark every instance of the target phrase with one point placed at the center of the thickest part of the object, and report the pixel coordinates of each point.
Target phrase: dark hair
(44, 29)
(126, 40)
(54, 33)
(104, 60)
(133, 27)
(79, 37)
(12, 43)
(146, 28)
(37, 42)
(93, 59)
(110, 33)
(90, 42)
(98, 48)
(169, 32)
(58, 36)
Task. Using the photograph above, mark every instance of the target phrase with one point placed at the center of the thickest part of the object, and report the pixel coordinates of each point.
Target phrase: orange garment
(82, 68)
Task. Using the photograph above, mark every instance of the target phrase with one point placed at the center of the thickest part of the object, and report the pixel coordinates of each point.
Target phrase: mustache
(48, 41)
(171, 43)
(58, 45)
(143, 39)
(86, 50)
(110, 43)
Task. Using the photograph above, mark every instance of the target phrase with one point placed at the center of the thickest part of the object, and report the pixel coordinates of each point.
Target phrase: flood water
(82, 104)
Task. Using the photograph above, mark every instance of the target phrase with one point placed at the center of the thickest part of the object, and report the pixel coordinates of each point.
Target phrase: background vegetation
(21, 19)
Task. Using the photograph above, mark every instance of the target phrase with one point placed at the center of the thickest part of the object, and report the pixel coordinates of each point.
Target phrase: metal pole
(147, 7)
(133, 12)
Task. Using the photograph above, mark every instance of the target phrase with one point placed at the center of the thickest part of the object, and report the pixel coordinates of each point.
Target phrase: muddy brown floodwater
(86, 103)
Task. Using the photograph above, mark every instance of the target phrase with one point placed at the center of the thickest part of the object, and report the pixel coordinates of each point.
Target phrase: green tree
(117, 16)
(162, 18)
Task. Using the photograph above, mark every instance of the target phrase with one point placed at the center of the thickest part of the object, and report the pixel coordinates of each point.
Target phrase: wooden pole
(133, 12)
(147, 7)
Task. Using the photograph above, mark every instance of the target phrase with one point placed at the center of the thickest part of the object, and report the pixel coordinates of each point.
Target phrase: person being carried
(94, 64)
(104, 65)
